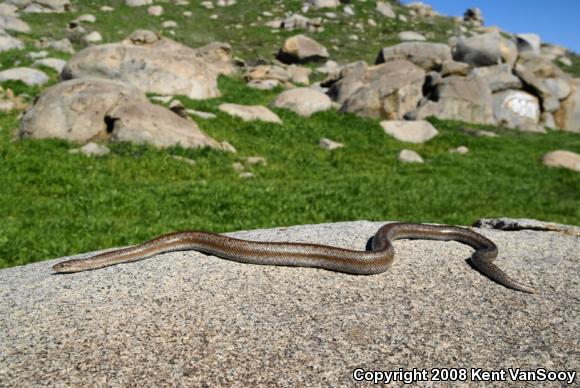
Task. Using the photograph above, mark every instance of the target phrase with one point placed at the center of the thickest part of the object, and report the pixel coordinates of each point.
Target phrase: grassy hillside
(53, 203)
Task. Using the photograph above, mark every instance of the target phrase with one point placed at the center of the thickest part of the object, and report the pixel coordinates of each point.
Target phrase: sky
(556, 21)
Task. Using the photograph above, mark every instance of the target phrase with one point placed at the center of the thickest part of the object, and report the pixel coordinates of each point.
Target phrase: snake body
(375, 261)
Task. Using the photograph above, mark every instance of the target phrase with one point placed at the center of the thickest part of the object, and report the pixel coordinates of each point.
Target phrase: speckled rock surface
(186, 319)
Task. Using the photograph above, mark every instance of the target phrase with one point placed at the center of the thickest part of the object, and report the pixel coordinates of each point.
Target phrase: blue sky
(556, 21)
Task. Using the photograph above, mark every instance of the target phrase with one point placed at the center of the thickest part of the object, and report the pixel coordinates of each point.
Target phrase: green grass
(53, 203)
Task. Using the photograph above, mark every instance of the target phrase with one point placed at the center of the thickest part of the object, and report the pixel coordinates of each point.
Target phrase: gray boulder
(302, 49)
(303, 101)
(76, 110)
(12, 23)
(568, 116)
(390, 90)
(178, 318)
(8, 42)
(498, 77)
(162, 66)
(563, 159)
(485, 50)
(146, 123)
(459, 98)
(41, 6)
(517, 109)
(385, 10)
(27, 75)
(429, 56)
(528, 43)
(410, 131)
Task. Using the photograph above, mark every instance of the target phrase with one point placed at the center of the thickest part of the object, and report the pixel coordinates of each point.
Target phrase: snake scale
(375, 261)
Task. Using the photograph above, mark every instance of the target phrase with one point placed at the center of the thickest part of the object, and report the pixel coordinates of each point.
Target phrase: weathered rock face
(568, 116)
(460, 98)
(160, 66)
(388, 91)
(528, 43)
(517, 109)
(75, 110)
(428, 56)
(350, 78)
(211, 312)
(302, 49)
(485, 50)
(498, 77)
(303, 101)
(144, 122)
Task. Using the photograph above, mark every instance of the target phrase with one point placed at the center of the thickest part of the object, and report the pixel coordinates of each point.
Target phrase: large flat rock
(185, 318)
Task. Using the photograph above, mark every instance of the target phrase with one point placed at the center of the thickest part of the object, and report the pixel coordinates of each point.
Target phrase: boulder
(179, 318)
(410, 131)
(485, 50)
(8, 9)
(385, 9)
(7, 42)
(12, 23)
(350, 78)
(146, 123)
(474, 17)
(528, 43)
(53, 63)
(303, 101)
(420, 9)
(152, 64)
(41, 6)
(517, 109)
(390, 90)
(498, 77)
(302, 49)
(76, 110)
(250, 113)
(459, 98)
(563, 159)
(409, 156)
(27, 75)
(429, 56)
(410, 36)
(454, 68)
(568, 115)
(324, 3)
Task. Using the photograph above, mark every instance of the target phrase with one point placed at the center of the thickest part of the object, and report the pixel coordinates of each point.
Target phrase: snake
(374, 261)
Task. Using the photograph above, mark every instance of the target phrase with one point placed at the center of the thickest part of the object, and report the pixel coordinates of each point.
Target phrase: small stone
(91, 149)
(459, 150)
(247, 174)
(237, 166)
(328, 144)
(182, 159)
(203, 115)
(409, 156)
(254, 160)
(155, 10)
